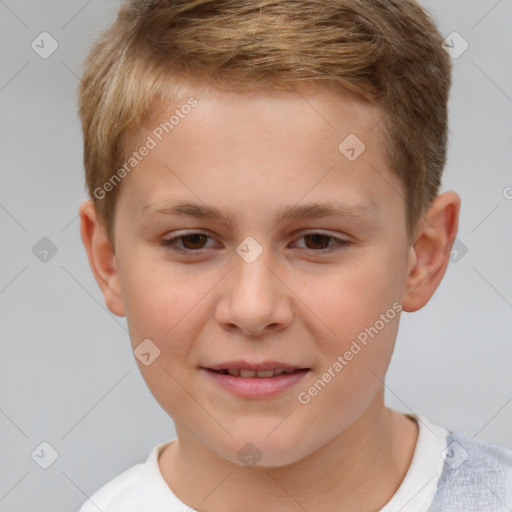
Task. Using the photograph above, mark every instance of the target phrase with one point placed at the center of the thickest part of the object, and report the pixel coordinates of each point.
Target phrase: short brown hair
(387, 52)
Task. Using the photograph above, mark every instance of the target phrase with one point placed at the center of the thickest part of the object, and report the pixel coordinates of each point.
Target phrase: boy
(223, 141)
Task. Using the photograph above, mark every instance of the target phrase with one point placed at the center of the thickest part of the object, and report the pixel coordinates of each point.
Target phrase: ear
(430, 253)
(101, 257)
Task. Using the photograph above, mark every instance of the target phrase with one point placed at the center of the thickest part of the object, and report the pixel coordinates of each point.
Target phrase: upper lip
(261, 366)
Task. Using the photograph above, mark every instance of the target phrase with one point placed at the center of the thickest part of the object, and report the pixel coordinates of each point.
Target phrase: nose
(255, 298)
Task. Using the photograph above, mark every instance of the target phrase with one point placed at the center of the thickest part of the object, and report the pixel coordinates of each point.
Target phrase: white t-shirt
(142, 488)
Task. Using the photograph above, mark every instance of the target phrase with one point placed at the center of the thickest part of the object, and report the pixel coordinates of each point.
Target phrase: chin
(261, 452)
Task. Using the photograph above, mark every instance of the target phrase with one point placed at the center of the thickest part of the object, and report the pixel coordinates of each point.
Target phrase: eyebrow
(363, 211)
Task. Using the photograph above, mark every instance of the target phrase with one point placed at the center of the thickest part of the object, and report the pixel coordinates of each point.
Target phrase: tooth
(252, 373)
(266, 373)
(247, 373)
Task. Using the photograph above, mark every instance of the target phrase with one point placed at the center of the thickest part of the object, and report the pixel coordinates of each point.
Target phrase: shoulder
(476, 476)
(115, 493)
(140, 488)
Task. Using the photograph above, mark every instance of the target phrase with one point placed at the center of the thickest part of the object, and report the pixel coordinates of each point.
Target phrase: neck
(359, 469)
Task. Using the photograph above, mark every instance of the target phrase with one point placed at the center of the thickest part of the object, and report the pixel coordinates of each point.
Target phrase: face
(274, 277)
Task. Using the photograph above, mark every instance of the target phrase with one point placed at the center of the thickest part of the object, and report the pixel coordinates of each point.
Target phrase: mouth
(257, 374)
(256, 384)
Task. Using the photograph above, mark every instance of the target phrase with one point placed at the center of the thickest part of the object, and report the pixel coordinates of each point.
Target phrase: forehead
(323, 109)
(313, 141)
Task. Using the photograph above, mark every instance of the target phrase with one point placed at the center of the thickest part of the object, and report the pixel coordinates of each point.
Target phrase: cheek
(353, 363)
(359, 311)
(351, 297)
(157, 293)
(171, 309)
(172, 318)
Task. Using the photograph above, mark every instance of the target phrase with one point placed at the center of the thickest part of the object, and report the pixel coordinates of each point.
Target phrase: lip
(256, 387)
(247, 365)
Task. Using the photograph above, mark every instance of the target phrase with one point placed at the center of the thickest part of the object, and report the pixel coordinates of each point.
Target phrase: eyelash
(170, 243)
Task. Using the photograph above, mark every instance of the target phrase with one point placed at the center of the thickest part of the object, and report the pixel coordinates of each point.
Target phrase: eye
(190, 242)
(321, 242)
(194, 242)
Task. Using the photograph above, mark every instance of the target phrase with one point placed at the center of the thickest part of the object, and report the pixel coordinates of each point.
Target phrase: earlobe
(101, 257)
(429, 255)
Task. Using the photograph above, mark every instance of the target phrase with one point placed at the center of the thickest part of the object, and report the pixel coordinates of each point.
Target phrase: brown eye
(318, 241)
(192, 242)
(196, 241)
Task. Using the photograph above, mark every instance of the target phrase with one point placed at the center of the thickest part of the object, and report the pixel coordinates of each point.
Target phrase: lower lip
(257, 387)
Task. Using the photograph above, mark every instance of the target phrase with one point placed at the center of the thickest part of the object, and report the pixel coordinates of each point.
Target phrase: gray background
(67, 374)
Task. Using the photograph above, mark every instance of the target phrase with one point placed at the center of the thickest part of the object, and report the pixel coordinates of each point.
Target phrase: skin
(250, 155)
